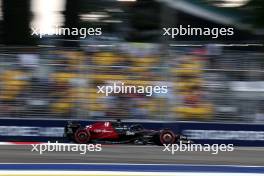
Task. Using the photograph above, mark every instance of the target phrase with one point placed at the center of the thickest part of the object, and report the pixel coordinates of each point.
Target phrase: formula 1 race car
(119, 133)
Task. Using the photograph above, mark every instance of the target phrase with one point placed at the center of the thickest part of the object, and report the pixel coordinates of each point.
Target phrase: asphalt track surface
(134, 155)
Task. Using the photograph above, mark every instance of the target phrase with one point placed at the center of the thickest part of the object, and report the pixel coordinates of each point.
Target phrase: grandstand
(60, 83)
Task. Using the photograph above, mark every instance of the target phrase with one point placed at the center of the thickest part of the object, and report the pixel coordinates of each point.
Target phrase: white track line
(110, 173)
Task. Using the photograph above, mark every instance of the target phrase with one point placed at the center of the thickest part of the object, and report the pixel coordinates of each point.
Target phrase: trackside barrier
(128, 169)
(44, 130)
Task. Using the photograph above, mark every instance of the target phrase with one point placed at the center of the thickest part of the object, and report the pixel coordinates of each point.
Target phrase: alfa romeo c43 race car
(119, 133)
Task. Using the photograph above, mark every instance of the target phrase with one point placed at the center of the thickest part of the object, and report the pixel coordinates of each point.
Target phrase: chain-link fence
(47, 82)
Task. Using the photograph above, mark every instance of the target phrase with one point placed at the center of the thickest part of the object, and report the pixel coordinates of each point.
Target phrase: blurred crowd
(62, 83)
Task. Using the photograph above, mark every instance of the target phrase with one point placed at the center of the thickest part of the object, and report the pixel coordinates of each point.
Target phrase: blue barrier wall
(200, 132)
(161, 168)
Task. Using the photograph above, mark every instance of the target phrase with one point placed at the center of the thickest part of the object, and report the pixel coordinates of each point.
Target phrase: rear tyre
(166, 137)
(82, 136)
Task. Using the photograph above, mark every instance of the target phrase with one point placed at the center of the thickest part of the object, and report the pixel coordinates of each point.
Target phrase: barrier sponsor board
(201, 132)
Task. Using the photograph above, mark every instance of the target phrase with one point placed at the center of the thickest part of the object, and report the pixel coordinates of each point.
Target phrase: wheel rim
(167, 137)
(82, 137)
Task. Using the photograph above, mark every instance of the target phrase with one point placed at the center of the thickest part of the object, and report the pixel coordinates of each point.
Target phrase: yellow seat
(63, 77)
(186, 72)
(202, 111)
(62, 106)
(188, 69)
(188, 84)
(145, 62)
(12, 84)
(106, 58)
(138, 83)
(106, 77)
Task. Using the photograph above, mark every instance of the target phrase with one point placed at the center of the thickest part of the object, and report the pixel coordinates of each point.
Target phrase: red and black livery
(119, 133)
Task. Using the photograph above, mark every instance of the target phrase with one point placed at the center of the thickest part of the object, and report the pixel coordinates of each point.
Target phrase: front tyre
(82, 136)
(166, 137)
